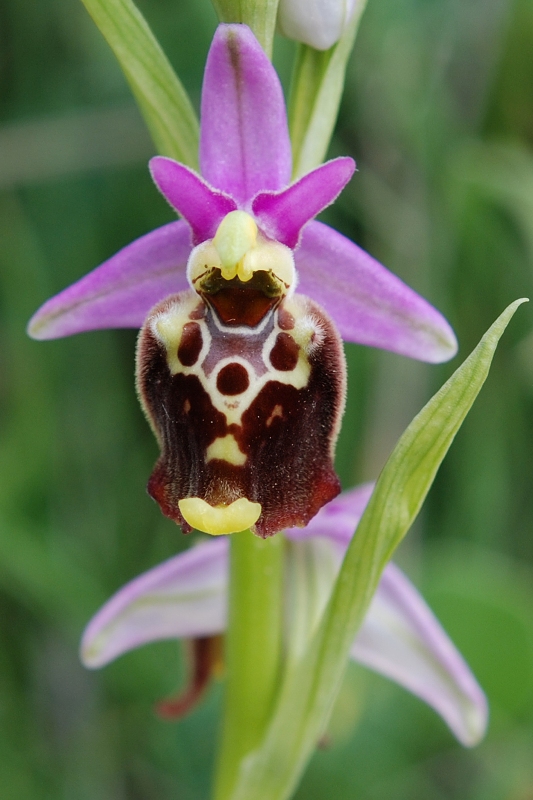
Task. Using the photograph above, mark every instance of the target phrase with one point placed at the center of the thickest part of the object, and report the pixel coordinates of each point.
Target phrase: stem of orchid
(253, 650)
(316, 89)
(259, 15)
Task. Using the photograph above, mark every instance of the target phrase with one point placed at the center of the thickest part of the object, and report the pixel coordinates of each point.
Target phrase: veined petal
(338, 519)
(120, 292)
(204, 208)
(401, 638)
(244, 140)
(182, 598)
(368, 303)
(283, 214)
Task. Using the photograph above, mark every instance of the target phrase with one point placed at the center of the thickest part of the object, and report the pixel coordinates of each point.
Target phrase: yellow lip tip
(219, 520)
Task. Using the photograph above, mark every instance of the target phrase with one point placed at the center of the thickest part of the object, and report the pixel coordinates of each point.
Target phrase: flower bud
(318, 23)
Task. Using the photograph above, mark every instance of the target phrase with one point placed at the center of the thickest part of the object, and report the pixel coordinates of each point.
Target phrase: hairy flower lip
(246, 163)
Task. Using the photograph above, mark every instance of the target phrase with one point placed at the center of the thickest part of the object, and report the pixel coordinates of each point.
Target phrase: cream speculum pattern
(243, 382)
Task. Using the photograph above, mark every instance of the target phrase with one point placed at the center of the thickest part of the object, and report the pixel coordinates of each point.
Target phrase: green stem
(316, 90)
(253, 650)
(259, 15)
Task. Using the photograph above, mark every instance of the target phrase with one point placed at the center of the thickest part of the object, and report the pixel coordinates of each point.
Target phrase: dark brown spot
(284, 354)
(190, 344)
(198, 312)
(285, 319)
(233, 379)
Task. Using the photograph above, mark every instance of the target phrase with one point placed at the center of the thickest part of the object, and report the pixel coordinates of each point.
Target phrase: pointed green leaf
(309, 689)
(162, 99)
(316, 90)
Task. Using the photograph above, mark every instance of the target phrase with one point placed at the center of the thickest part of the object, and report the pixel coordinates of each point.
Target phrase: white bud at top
(318, 23)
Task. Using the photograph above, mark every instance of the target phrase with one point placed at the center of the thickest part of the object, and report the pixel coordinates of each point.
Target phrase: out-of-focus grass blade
(501, 172)
(46, 580)
(162, 99)
(316, 90)
(310, 688)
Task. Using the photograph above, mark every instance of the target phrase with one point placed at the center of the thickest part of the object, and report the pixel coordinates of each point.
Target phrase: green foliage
(318, 82)
(437, 107)
(162, 99)
(310, 687)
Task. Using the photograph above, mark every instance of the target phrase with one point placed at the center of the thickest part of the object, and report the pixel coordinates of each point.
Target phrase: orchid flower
(242, 379)
(186, 597)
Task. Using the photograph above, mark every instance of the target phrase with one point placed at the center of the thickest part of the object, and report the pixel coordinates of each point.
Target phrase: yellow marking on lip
(277, 412)
(167, 327)
(219, 520)
(227, 449)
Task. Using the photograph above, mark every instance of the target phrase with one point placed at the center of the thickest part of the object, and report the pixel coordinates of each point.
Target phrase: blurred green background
(438, 113)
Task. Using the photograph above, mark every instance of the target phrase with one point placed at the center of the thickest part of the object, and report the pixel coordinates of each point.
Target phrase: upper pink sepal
(244, 138)
(282, 215)
(120, 292)
(204, 208)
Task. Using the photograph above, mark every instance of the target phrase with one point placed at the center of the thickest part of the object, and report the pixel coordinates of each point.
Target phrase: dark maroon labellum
(243, 409)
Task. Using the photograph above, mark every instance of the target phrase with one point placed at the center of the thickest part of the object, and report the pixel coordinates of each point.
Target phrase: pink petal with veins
(120, 292)
(368, 303)
(244, 139)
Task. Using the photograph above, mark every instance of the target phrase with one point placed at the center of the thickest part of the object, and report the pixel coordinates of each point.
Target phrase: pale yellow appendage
(217, 520)
(236, 235)
(227, 449)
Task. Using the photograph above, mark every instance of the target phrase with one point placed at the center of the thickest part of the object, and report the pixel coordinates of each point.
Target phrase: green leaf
(309, 689)
(162, 99)
(316, 90)
(259, 15)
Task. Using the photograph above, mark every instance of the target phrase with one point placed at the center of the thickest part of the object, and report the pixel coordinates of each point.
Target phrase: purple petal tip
(369, 304)
(199, 204)
(120, 292)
